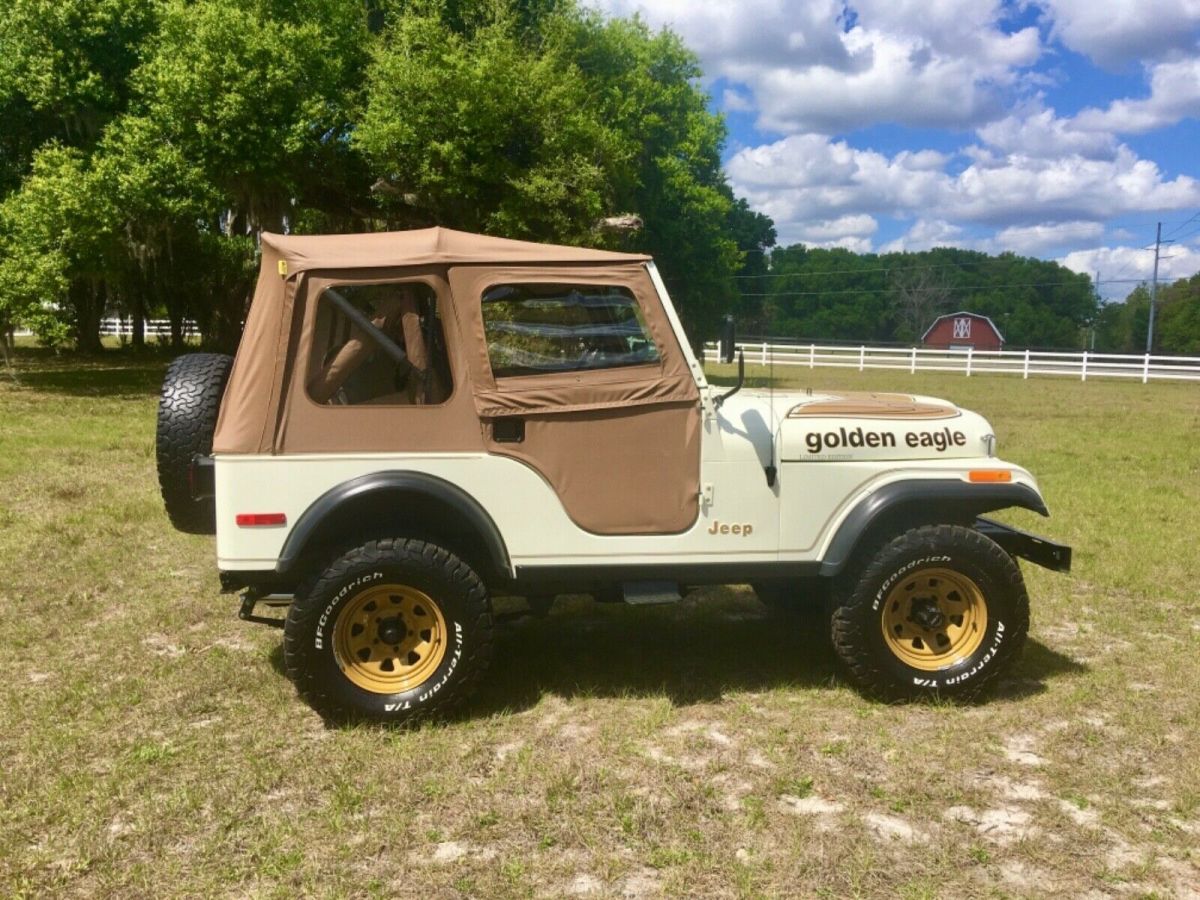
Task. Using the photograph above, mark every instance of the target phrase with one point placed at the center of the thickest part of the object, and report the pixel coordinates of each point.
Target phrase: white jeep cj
(418, 421)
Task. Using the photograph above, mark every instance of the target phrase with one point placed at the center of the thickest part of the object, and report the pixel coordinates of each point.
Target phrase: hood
(841, 426)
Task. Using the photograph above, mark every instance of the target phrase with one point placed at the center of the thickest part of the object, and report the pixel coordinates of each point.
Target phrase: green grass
(150, 745)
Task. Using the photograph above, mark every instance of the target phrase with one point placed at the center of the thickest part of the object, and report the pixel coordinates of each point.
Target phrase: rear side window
(538, 328)
(347, 367)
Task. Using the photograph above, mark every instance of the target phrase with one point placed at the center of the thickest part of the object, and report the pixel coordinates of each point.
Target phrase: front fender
(922, 501)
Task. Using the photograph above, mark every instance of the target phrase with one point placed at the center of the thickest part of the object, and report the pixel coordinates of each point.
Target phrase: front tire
(940, 610)
(393, 630)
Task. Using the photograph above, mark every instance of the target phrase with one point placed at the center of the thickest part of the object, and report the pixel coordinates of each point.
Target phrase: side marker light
(260, 520)
(989, 476)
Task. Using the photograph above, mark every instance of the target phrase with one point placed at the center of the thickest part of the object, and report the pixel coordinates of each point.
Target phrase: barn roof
(959, 314)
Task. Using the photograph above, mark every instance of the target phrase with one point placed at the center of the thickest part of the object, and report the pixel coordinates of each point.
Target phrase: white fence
(124, 328)
(154, 327)
(1082, 365)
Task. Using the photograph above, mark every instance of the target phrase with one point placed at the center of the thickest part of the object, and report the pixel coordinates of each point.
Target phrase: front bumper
(1045, 553)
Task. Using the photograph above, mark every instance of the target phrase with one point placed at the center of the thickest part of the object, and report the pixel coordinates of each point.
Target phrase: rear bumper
(1045, 553)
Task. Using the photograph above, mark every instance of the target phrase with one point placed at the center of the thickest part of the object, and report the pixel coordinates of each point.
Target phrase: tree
(835, 294)
(1121, 327)
(157, 139)
(922, 294)
(58, 245)
(64, 73)
(537, 120)
(754, 234)
(1179, 317)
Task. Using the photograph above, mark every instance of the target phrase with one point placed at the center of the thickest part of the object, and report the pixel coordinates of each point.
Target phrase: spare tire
(187, 416)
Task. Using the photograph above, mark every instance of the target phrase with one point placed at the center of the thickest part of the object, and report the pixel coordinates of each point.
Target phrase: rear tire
(187, 417)
(393, 630)
(940, 610)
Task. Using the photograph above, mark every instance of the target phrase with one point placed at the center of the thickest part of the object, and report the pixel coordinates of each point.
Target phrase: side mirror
(741, 379)
(728, 340)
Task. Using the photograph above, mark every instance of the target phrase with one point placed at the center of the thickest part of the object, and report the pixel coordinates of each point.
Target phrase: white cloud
(771, 32)
(1124, 265)
(852, 232)
(1035, 183)
(1037, 240)
(1024, 240)
(1116, 32)
(1040, 133)
(806, 178)
(1017, 189)
(820, 66)
(1174, 95)
(735, 101)
(925, 234)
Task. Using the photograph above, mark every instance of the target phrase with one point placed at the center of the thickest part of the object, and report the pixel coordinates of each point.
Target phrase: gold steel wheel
(389, 638)
(934, 618)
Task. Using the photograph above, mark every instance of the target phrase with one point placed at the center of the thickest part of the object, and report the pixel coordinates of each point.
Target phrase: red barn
(961, 330)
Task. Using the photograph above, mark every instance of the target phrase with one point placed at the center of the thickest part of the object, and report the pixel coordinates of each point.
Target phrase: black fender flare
(931, 500)
(401, 484)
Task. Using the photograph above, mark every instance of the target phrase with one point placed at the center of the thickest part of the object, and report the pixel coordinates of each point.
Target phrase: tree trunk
(88, 299)
(176, 316)
(138, 316)
(8, 345)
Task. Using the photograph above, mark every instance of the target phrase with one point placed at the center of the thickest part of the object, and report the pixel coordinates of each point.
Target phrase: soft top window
(538, 328)
(347, 367)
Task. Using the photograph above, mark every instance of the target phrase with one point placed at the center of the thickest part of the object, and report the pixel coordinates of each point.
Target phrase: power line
(952, 287)
(963, 265)
(830, 272)
(1188, 234)
(1194, 217)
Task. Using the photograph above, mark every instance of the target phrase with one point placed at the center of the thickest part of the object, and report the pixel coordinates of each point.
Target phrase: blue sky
(1063, 129)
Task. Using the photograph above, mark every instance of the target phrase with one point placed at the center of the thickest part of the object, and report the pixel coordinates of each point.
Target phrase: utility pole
(1153, 291)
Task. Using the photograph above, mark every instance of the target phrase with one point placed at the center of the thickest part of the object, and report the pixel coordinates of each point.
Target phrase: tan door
(577, 373)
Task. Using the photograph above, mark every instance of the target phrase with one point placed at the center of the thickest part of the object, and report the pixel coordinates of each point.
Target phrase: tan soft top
(251, 418)
(423, 246)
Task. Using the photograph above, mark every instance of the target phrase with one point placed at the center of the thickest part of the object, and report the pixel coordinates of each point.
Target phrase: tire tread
(308, 605)
(188, 406)
(849, 624)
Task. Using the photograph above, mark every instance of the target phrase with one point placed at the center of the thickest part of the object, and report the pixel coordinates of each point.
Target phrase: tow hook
(251, 598)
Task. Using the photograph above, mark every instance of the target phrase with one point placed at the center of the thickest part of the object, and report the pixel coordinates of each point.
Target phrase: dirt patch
(1007, 788)
(161, 645)
(1002, 825)
(504, 751)
(1018, 748)
(731, 790)
(823, 812)
(455, 851)
(584, 885)
(1084, 817)
(1024, 877)
(645, 882)
(893, 828)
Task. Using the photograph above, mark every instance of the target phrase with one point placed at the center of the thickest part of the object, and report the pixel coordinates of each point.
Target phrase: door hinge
(706, 493)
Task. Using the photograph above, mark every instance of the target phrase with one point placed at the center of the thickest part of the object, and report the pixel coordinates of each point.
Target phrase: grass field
(150, 744)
